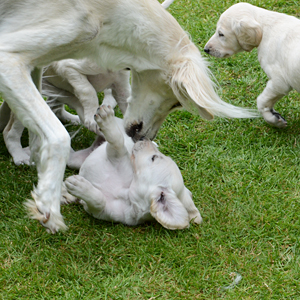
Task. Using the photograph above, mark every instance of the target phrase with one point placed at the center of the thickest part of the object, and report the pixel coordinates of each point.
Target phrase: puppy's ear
(248, 32)
(186, 199)
(168, 210)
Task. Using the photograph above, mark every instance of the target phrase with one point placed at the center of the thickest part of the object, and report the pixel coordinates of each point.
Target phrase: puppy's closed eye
(221, 34)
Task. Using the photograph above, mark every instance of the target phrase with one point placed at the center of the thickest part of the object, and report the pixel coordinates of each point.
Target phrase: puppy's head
(237, 30)
(158, 180)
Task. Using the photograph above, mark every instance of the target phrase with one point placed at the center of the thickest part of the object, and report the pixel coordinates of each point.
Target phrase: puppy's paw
(274, 118)
(104, 115)
(78, 186)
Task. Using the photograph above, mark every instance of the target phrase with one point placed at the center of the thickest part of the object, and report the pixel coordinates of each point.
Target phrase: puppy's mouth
(142, 144)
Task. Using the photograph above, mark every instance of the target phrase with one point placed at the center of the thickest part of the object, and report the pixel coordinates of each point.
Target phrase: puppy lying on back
(131, 183)
(277, 38)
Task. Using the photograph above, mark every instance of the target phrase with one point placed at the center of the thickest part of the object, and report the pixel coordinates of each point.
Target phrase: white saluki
(167, 72)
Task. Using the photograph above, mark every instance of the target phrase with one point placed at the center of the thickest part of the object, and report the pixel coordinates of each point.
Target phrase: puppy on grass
(130, 183)
(243, 27)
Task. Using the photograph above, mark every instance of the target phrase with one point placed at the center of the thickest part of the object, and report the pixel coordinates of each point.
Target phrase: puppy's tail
(191, 83)
(167, 3)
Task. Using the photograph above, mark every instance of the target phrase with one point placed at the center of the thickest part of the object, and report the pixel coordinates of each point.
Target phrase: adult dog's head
(184, 83)
(237, 30)
(158, 180)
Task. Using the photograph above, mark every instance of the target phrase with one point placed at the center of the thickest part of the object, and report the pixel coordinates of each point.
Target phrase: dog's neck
(144, 41)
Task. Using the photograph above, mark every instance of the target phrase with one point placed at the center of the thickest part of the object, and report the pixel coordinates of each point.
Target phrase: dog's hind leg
(77, 158)
(53, 141)
(12, 138)
(93, 199)
(266, 101)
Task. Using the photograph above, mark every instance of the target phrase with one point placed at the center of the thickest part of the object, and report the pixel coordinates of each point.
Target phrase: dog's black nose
(134, 129)
(206, 50)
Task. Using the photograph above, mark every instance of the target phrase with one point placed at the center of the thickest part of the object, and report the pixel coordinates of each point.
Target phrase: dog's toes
(275, 119)
(75, 185)
(280, 122)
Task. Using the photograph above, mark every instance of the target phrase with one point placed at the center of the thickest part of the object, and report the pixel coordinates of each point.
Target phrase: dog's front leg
(53, 145)
(84, 91)
(59, 109)
(93, 199)
(266, 101)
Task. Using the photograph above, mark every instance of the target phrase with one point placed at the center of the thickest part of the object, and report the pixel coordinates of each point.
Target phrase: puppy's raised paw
(104, 115)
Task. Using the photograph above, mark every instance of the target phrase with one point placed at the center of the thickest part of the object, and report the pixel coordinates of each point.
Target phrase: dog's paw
(78, 186)
(52, 221)
(22, 158)
(104, 115)
(274, 118)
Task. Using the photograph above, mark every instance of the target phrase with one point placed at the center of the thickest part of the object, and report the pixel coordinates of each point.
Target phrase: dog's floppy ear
(168, 210)
(248, 32)
(186, 199)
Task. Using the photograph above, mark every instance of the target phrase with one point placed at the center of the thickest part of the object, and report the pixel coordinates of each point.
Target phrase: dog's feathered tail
(167, 3)
(192, 85)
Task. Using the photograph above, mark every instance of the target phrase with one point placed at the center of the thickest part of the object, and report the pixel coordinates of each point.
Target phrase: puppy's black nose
(134, 129)
(206, 50)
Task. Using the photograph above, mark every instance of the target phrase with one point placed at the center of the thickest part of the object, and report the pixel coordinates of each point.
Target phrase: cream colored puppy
(277, 38)
(131, 183)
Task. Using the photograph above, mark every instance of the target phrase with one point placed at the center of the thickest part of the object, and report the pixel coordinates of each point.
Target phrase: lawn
(244, 176)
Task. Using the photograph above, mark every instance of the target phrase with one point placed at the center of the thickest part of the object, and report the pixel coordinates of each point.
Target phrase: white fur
(167, 71)
(131, 183)
(277, 38)
(167, 3)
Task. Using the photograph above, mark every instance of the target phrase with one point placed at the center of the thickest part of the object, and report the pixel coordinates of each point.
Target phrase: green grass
(244, 176)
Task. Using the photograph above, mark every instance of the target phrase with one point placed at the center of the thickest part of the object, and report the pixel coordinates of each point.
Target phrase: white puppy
(131, 183)
(167, 70)
(277, 38)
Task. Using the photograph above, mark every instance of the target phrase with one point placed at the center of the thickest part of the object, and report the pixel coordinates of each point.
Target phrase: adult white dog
(76, 83)
(167, 72)
(243, 27)
(131, 183)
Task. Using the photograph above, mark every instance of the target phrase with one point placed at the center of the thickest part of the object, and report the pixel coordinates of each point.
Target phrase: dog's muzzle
(134, 131)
